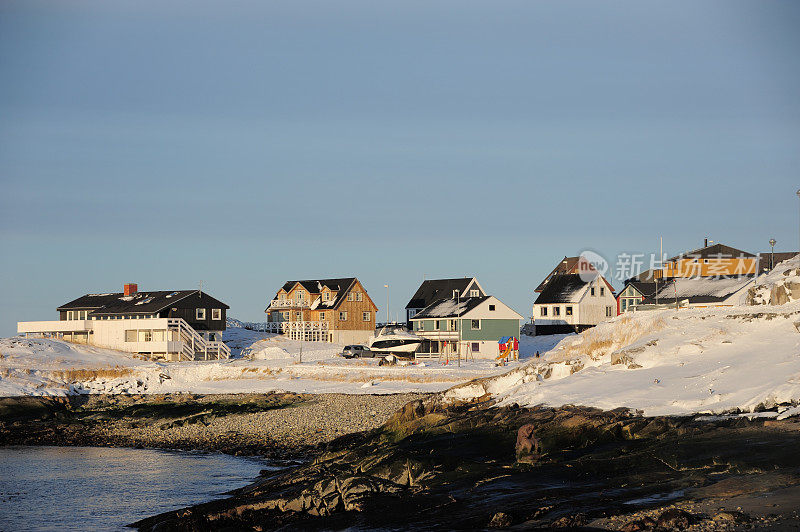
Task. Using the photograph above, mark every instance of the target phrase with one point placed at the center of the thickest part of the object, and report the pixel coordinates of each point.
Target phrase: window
(300, 295)
(475, 324)
(543, 311)
(476, 347)
(491, 308)
(437, 325)
(282, 297)
(286, 315)
(130, 335)
(158, 335)
(145, 335)
(602, 290)
(451, 325)
(367, 316)
(556, 311)
(216, 313)
(609, 312)
(298, 315)
(420, 325)
(592, 290)
(412, 312)
(326, 296)
(568, 311)
(343, 316)
(474, 293)
(321, 316)
(350, 296)
(69, 315)
(200, 314)
(359, 296)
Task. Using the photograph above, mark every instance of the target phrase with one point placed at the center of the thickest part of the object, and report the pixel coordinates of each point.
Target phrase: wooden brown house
(328, 310)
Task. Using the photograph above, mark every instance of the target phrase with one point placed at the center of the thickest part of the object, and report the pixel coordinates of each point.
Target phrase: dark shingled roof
(138, 303)
(565, 266)
(562, 288)
(713, 252)
(780, 256)
(314, 286)
(644, 288)
(698, 290)
(435, 289)
(450, 307)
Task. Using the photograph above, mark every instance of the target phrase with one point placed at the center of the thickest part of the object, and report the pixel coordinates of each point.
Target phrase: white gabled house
(169, 325)
(432, 290)
(573, 303)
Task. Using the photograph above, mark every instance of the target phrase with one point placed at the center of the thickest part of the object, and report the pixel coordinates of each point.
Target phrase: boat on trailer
(395, 339)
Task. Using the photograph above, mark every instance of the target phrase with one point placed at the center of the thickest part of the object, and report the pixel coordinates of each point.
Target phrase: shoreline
(277, 425)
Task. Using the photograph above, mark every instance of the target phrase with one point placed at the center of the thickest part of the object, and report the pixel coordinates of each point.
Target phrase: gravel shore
(277, 424)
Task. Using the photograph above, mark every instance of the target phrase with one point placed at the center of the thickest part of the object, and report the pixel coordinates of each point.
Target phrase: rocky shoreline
(415, 462)
(274, 425)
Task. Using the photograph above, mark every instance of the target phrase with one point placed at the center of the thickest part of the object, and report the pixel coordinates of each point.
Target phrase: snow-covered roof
(700, 289)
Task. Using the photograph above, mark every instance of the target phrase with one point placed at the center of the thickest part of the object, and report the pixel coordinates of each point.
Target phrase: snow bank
(780, 286)
(664, 363)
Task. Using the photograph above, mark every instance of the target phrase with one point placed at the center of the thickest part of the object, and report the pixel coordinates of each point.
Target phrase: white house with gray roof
(573, 303)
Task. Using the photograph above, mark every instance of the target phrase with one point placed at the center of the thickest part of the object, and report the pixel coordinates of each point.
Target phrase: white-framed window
(491, 308)
(420, 325)
(69, 315)
(437, 325)
(474, 293)
(451, 325)
(475, 325)
(609, 312)
(216, 313)
(556, 311)
(282, 297)
(326, 296)
(286, 315)
(367, 316)
(321, 316)
(359, 296)
(200, 314)
(350, 296)
(412, 312)
(343, 315)
(476, 347)
(130, 335)
(298, 315)
(568, 311)
(602, 290)
(543, 311)
(145, 335)
(591, 291)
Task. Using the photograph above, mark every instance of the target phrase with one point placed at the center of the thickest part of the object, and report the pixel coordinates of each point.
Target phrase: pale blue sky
(247, 143)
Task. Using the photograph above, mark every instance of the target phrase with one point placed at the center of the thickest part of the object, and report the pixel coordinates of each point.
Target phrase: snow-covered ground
(270, 362)
(670, 362)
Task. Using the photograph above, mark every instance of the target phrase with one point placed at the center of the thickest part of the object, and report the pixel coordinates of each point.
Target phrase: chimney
(705, 243)
(130, 289)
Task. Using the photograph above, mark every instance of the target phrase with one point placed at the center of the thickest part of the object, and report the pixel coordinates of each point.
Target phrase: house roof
(434, 289)
(644, 288)
(566, 288)
(450, 307)
(714, 251)
(699, 289)
(138, 303)
(565, 266)
(315, 286)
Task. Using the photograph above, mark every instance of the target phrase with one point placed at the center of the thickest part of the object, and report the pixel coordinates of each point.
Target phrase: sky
(243, 144)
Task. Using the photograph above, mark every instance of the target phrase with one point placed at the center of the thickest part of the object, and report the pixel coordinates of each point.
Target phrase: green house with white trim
(471, 327)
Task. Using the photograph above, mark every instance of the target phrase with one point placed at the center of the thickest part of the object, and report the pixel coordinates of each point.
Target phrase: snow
(261, 362)
(700, 286)
(668, 362)
(447, 307)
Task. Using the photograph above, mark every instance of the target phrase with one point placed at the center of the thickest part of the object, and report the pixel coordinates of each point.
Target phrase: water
(99, 488)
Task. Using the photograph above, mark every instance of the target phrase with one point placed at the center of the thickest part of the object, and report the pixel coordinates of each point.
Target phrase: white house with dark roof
(164, 324)
(573, 303)
(471, 327)
(432, 290)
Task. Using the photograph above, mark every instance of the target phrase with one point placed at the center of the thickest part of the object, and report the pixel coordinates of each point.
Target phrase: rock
(778, 295)
(570, 521)
(645, 523)
(676, 519)
(527, 447)
(500, 520)
(732, 516)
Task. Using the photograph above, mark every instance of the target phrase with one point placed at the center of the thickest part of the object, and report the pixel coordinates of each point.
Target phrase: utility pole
(458, 325)
(386, 286)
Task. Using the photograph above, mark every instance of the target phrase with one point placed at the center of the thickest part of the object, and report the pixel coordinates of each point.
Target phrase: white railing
(289, 303)
(193, 343)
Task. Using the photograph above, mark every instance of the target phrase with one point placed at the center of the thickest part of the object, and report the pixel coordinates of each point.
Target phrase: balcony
(289, 303)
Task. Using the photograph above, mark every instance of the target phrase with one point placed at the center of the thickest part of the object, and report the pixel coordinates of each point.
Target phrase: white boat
(395, 339)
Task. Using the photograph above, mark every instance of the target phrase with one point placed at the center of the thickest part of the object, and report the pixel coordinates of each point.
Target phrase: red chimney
(131, 288)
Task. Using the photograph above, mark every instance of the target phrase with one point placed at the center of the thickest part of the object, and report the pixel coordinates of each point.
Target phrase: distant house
(717, 260)
(698, 292)
(167, 324)
(471, 327)
(435, 289)
(634, 293)
(573, 303)
(327, 310)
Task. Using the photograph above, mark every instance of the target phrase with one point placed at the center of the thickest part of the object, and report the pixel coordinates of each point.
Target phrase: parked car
(357, 351)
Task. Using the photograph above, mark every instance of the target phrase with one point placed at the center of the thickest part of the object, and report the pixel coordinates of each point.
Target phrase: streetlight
(386, 286)
(772, 243)
(798, 195)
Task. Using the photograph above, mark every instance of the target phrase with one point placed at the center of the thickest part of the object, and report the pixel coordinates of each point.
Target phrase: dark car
(360, 351)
